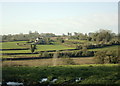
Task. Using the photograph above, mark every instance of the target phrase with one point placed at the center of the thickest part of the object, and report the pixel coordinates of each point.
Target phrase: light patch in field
(49, 62)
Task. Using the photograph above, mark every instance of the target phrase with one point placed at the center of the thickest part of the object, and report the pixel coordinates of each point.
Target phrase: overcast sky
(58, 17)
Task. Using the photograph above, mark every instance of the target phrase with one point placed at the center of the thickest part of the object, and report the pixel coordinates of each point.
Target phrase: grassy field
(16, 51)
(114, 47)
(103, 75)
(58, 47)
(20, 56)
(52, 47)
(48, 47)
(30, 72)
(39, 48)
(12, 45)
(82, 41)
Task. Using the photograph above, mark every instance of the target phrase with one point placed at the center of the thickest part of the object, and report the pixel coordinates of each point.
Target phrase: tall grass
(90, 74)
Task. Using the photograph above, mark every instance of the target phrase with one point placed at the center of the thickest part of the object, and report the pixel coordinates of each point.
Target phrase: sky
(58, 17)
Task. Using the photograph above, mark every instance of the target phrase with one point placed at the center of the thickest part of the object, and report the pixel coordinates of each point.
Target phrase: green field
(39, 48)
(82, 41)
(21, 55)
(104, 75)
(52, 47)
(114, 47)
(16, 51)
(11, 45)
(66, 70)
(58, 47)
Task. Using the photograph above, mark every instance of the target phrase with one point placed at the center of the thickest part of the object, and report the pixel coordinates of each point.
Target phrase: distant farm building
(37, 39)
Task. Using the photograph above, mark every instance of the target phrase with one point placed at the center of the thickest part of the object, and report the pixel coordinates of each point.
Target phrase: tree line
(98, 36)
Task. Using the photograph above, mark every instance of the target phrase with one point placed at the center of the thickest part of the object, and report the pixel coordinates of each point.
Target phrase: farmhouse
(38, 38)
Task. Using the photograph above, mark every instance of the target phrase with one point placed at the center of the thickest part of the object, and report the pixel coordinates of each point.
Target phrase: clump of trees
(78, 47)
(45, 41)
(99, 36)
(67, 60)
(103, 57)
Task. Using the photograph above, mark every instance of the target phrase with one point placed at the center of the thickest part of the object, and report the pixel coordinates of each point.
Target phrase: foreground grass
(90, 74)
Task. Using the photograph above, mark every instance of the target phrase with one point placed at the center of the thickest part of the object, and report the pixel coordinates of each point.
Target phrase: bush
(45, 54)
(87, 53)
(103, 57)
(78, 47)
(32, 47)
(67, 60)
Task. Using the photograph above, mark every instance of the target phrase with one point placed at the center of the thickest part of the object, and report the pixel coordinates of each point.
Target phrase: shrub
(78, 47)
(107, 57)
(67, 60)
(99, 57)
(45, 54)
(32, 47)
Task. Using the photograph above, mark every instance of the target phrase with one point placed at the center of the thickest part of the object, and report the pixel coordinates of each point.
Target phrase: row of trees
(82, 53)
(101, 35)
(26, 37)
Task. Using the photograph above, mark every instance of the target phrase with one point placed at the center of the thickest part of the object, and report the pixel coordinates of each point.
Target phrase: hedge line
(69, 54)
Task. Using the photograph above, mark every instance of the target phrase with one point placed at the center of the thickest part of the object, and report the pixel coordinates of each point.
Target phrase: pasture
(52, 47)
(12, 45)
(114, 47)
